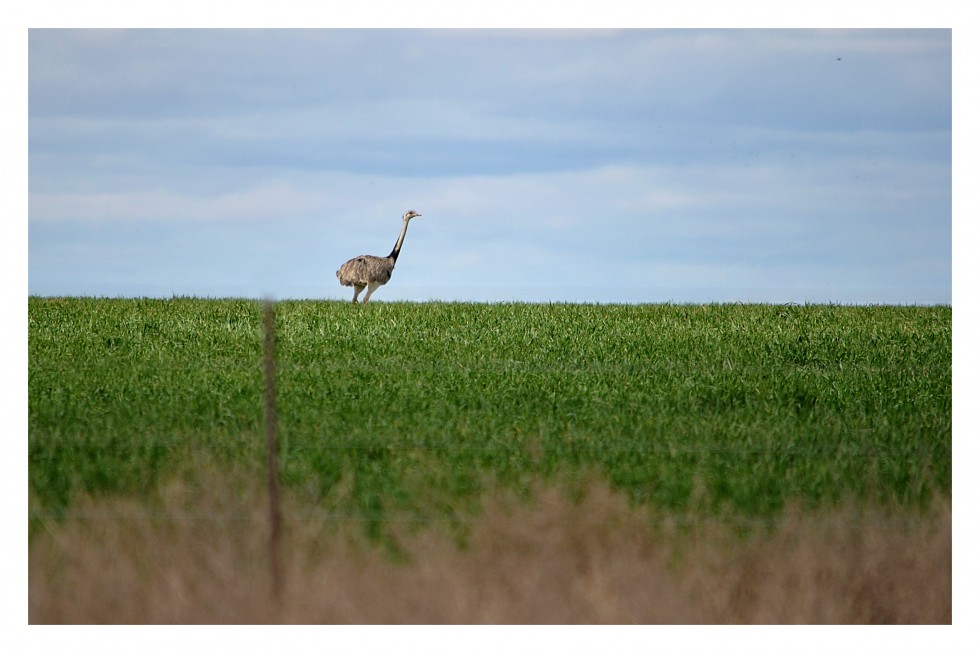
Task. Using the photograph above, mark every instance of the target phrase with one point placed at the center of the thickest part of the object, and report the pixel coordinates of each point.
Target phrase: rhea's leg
(372, 286)
(357, 291)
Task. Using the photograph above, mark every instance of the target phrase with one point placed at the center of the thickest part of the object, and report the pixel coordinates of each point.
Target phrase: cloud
(747, 158)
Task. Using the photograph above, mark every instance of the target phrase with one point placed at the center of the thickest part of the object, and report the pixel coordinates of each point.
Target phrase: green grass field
(407, 409)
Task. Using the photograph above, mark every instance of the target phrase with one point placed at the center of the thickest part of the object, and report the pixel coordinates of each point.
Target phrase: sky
(581, 165)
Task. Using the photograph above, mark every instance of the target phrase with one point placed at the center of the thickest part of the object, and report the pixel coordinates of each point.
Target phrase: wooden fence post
(272, 447)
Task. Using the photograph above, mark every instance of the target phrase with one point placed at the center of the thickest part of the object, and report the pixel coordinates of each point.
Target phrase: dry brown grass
(553, 561)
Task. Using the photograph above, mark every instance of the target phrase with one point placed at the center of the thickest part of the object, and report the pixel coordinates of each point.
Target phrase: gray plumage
(373, 271)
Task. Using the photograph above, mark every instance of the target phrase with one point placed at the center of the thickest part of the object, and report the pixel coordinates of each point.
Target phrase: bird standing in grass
(372, 272)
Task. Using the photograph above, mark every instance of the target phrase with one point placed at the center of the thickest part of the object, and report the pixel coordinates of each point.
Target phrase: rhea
(372, 272)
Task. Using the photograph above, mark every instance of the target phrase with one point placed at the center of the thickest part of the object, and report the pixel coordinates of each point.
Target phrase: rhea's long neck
(398, 246)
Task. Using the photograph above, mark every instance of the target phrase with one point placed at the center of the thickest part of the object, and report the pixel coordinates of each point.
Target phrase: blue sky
(549, 165)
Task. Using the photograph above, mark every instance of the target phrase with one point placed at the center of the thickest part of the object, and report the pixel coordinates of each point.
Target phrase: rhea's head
(411, 214)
